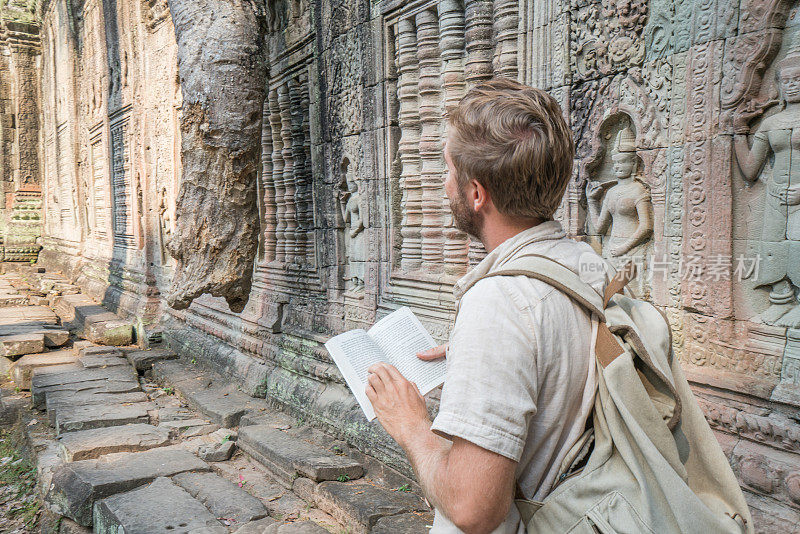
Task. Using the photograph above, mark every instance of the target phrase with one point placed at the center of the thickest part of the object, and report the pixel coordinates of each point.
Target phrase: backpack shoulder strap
(555, 274)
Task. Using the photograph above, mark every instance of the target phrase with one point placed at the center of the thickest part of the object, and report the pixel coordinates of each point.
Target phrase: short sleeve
(490, 389)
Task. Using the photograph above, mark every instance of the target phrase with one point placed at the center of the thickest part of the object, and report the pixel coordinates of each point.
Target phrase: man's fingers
(387, 373)
(433, 354)
(375, 382)
(370, 391)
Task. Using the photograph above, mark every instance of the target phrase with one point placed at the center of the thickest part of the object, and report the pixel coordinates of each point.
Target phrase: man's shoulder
(577, 256)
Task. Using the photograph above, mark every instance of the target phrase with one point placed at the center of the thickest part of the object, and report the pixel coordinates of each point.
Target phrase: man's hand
(433, 354)
(398, 404)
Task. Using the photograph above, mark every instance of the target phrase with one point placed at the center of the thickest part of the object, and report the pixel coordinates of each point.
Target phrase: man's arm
(472, 486)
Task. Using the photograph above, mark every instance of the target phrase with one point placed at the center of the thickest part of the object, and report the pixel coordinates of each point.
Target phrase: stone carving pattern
(607, 36)
(439, 53)
(451, 18)
(355, 223)
(430, 143)
(287, 201)
(98, 191)
(121, 184)
(64, 174)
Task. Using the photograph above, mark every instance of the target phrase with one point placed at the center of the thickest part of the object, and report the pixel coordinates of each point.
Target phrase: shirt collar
(506, 250)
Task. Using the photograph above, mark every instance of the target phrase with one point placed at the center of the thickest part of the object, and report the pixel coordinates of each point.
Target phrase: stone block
(18, 345)
(216, 452)
(161, 506)
(89, 387)
(221, 403)
(89, 444)
(88, 349)
(68, 526)
(28, 315)
(222, 497)
(90, 361)
(270, 526)
(401, 523)
(36, 300)
(5, 367)
(76, 486)
(8, 300)
(23, 369)
(362, 505)
(187, 428)
(114, 332)
(74, 418)
(289, 456)
(259, 526)
(55, 400)
(142, 360)
(84, 375)
(53, 337)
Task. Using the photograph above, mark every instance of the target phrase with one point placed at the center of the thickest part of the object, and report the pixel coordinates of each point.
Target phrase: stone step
(54, 336)
(93, 350)
(76, 486)
(222, 497)
(23, 369)
(212, 395)
(118, 379)
(188, 428)
(109, 359)
(93, 322)
(289, 457)
(89, 444)
(161, 507)
(28, 315)
(74, 418)
(16, 345)
(82, 375)
(270, 526)
(362, 506)
(409, 522)
(58, 399)
(13, 300)
(143, 360)
(100, 386)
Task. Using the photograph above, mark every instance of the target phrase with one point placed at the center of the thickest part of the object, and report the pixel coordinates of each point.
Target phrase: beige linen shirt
(520, 376)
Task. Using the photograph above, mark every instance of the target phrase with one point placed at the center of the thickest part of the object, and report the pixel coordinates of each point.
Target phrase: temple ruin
(242, 187)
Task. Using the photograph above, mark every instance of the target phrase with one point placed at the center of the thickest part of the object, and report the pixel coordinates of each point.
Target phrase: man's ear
(478, 196)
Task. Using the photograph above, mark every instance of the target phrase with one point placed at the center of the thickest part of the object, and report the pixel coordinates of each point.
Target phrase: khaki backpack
(650, 463)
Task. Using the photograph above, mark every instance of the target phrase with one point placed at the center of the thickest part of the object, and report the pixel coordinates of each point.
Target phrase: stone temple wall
(686, 117)
(110, 99)
(20, 176)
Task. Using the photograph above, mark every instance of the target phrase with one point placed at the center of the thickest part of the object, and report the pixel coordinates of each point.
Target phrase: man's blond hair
(514, 140)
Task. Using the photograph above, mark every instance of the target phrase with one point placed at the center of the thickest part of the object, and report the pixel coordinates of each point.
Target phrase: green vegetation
(17, 484)
(404, 487)
(343, 478)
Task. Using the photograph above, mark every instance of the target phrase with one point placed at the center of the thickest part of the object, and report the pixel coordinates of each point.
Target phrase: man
(520, 378)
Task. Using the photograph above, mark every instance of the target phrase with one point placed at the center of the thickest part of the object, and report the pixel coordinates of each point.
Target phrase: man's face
(464, 217)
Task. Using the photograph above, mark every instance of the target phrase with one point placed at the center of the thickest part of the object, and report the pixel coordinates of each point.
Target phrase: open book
(396, 339)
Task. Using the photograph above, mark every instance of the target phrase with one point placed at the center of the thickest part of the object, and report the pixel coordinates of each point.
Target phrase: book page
(354, 352)
(401, 336)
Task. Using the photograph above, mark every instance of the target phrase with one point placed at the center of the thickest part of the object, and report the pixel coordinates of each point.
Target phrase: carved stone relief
(355, 223)
(435, 54)
(620, 204)
(769, 160)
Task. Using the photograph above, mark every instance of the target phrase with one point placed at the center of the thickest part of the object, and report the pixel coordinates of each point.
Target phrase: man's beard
(465, 219)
